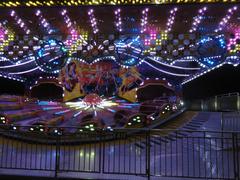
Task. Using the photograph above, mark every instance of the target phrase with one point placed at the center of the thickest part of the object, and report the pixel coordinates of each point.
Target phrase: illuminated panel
(6, 37)
(74, 42)
(234, 44)
(75, 38)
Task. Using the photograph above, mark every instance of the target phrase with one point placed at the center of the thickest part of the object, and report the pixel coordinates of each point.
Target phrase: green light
(139, 120)
(138, 117)
(134, 119)
(91, 125)
(87, 127)
(80, 130)
(91, 129)
(81, 154)
(129, 124)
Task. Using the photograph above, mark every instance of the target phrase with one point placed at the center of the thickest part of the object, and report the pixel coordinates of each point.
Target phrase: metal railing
(146, 153)
(223, 102)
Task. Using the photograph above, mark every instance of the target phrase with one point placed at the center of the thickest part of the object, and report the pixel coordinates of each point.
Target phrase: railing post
(57, 157)
(148, 155)
(235, 156)
(238, 102)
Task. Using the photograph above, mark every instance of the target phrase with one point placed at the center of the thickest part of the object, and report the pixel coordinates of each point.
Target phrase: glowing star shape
(92, 101)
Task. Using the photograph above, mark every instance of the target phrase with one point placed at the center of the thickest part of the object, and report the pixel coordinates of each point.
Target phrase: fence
(224, 102)
(140, 152)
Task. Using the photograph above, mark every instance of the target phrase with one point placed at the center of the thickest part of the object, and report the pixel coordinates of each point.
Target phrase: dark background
(8, 86)
(226, 79)
(47, 91)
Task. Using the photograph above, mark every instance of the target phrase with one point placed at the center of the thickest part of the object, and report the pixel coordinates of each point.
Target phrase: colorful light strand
(198, 19)
(144, 20)
(93, 21)
(68, 22)
(118, 20)
(43, 21)
(171, 20)
(20, 22)
(226, 19)
(49, 3)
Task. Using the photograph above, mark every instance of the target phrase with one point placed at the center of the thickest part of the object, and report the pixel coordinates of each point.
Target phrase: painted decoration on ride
(131, 80)
(69, 80)
(103, 78)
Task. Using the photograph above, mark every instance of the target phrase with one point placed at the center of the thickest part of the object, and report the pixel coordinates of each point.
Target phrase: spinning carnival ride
(102, 67)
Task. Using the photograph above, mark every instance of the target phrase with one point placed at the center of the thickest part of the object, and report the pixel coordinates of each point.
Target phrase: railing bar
(7, 151)
(223, 164)
(119, 150)
(36, 156)
(176, 153)
(135, 158)
(160, 162)
(31, 145)
(129, 159)
(193, 143)
(216, 143)
(211, 163)
(69, 157)
(204, 151)
(188, 155)
(182, 156)
(2, 144)
(17, 154)
(199, 155)
(40, 157)
(154, 159)
(21, 155)
(74, 156)
(46, 156)
(228, 158)
(165, 159)
(108, 157)
(84, 157)
(89, 157)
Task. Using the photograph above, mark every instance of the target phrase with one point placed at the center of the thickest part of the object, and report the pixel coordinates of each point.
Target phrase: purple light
(93, 21)
(197, 19)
